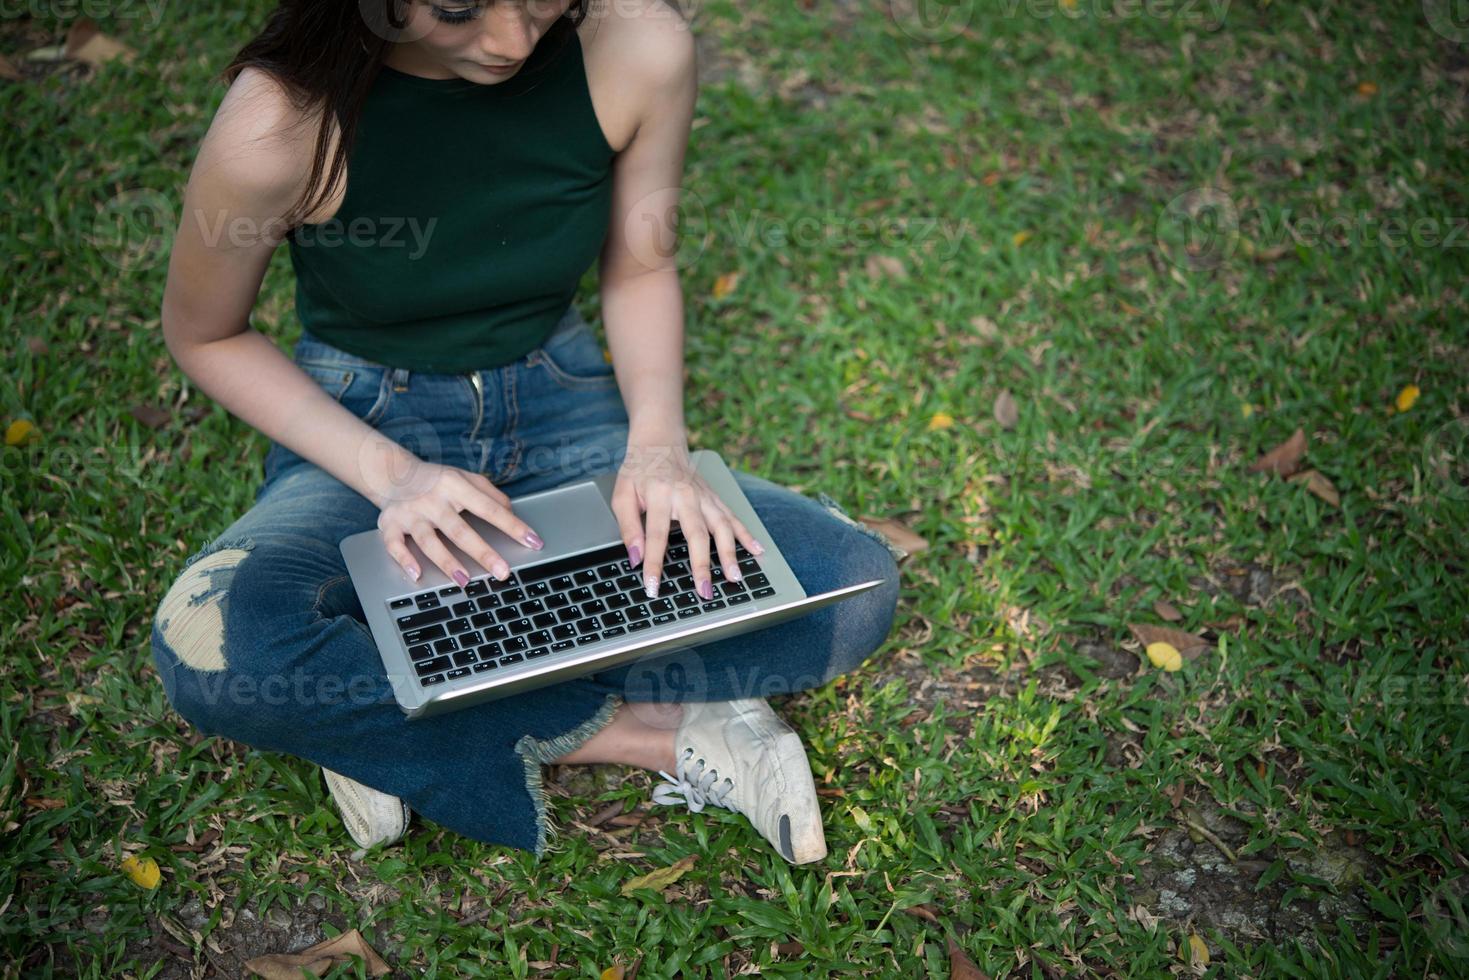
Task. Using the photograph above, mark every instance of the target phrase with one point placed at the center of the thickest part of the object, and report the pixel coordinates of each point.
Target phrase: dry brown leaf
(985, 327)
(961, 967)
(44, 803)
(725, 284)
(924, 912)
(9, 71)
(859, 416)
(35, 345)
(1319, 485)
(1167, 610)
(150, 415)
(1285, 458)
(319, 959)
(659, 878)
(1188, 645)
(900, 535)
(84, 42)
(1007, 413)
(885, 267)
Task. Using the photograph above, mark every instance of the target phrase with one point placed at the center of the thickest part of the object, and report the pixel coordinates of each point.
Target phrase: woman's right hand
(431, 505)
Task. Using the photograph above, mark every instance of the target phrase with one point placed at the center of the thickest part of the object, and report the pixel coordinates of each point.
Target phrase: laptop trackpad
(568, 519)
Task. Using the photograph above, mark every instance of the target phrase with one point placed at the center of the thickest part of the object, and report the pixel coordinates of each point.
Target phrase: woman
(444, 173)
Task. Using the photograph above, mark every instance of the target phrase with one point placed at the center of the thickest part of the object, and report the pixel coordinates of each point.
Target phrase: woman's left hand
(661, 482)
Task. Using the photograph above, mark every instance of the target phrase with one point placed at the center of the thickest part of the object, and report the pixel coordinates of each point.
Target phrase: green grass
(1023, 798)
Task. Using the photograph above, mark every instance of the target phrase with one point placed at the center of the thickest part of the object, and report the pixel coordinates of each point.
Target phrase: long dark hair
(326, 54)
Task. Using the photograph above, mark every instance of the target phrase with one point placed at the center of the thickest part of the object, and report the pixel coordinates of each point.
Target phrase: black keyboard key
(586, 638)
(432, 666)
(519, 626)
(568, 614)
(532, 606)
(613, 618)
(711, 606)
(415, 620)
(639, 624)
(514, 594)
(556, 600)
(400, 603)
(424, 635)
(581, 594)
(488, 601)
(514, 644)
(446, 645)
(510, 583)
(511, 658)
(560, 645)
(614, 631)
(762, 593)
(477, 588)
(587, 625)
(604, 588)
(420, 652)
(629, 582)
(538, 652)
(449, 590)
(496, 632)
(732, 586)
(564, 631)
(739, 598)
(585, 577)
(618, 601)
(757, 581)
(470, 639)
(665, 618)
(506, 613)
(594, 607)
(457, 625)
(539, 637)
(431, 679)
(690, 611)
(538, 589)
(464, 608)
(544, 620)
(610, 570)
(427, 601)
(463, 658)
(484, 665)
(458, 672)
(661, 605)
(490, 651)
(480, 620)
(637, 612)
(685, 599)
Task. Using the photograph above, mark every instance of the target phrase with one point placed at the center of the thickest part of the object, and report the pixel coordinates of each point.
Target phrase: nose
(510, 32)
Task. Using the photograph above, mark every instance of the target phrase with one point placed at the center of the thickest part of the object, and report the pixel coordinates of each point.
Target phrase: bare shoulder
(259, 144)
(638, 53)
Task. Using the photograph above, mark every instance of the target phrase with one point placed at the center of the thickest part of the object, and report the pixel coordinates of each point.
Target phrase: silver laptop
(571, 608)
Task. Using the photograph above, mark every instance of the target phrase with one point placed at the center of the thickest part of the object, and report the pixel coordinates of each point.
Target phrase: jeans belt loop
(400, 379)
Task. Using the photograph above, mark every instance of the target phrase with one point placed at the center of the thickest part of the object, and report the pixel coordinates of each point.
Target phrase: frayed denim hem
(535, 752)
(840, 514)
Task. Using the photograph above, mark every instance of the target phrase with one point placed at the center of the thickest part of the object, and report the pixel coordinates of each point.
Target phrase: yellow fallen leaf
(18, 432)
(726, 284)
(1165, 655)
(940, 420)
(659, 878)
(1197, 950)
(613, 972)
(143, 871)
(1367, 88)
(1020, 238)
(1246, 410)
(1407, 397)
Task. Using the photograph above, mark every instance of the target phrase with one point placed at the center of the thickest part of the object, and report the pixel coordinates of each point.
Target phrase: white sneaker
(372, 816)
(741, 756)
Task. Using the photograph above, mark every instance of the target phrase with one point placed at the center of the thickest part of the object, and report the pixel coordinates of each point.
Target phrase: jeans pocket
(573, 358)
(362, 390)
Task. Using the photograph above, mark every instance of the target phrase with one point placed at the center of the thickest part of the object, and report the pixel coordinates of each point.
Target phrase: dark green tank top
(469, 216)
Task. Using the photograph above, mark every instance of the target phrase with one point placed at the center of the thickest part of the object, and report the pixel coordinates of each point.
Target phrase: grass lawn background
(1009, 771)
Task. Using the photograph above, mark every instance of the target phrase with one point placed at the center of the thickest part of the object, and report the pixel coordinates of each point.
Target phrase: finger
(482, 482)
(398, 550)
(721, 523)
(457, 529)
(428, 540)
(659, 507)
(696, 533)
(629, 520)
(500, 515)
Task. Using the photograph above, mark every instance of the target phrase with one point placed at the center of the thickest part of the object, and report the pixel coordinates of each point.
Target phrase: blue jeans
(261, 638)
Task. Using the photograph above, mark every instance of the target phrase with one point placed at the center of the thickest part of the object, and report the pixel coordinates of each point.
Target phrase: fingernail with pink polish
(500, 571)
(756, 548)
(634, 555)
(413, 572)
(534, 540)
(650, 586)
(732, 572)
(460, 577)
(706, 588)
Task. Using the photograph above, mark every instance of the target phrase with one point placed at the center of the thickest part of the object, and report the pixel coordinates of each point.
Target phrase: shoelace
(693, 785)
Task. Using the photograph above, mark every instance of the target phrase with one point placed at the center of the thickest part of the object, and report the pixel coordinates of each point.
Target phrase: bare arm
(248, 172)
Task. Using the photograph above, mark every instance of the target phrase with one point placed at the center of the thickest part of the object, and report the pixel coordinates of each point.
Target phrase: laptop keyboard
(557, 606)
